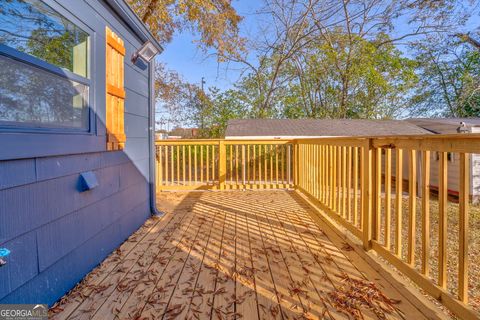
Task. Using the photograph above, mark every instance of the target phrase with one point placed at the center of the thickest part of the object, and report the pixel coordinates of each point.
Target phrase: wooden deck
(224, 255)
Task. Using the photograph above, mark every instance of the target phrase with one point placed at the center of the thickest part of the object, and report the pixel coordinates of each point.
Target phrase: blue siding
(56, 233)
(15, 173)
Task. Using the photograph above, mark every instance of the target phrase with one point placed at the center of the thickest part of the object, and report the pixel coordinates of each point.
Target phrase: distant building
(314, 128)
(183, 133)
(453, 126)
(448, 125)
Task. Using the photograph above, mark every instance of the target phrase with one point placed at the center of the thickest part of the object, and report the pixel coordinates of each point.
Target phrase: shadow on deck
(249, 255)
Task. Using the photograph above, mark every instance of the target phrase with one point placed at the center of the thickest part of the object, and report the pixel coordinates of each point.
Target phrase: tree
(450, 79)
(215, 21)
(177, 98)
(216, 108)
(339, 32)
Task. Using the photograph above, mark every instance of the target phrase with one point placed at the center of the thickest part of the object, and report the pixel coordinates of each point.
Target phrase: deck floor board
(226, 255)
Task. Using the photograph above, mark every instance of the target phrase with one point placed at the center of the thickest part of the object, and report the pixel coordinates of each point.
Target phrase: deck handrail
(358, 182)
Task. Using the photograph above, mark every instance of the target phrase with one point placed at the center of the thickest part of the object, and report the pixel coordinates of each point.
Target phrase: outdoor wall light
(147, 52)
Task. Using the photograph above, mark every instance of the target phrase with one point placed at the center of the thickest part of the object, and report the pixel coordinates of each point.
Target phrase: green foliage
(450, 80)
(56, 50)
(216, 108)
(343, 78)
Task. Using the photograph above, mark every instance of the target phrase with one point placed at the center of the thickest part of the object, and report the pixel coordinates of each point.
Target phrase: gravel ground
(452, 244)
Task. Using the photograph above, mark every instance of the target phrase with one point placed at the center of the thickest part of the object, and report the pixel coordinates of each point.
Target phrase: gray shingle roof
(444, 125)
(320, 127)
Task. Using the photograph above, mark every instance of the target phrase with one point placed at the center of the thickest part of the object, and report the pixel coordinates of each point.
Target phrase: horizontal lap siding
(453, 171)
(57, 234)
(476, 177)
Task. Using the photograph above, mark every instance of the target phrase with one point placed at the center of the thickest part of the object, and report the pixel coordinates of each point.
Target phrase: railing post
(367, 194)
(222, 164)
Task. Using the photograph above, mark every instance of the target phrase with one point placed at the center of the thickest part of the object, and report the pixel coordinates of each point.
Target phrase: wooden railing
(380, 189)
(224, 164)
(332, 172)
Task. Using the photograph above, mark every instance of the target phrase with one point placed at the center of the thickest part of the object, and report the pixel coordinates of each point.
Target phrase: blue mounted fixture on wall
(87, 181)
(4, 252)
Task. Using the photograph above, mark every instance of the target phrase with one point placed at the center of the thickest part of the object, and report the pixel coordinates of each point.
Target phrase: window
(44, 67)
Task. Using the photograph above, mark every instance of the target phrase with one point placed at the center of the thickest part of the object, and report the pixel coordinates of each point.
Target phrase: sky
(183, 56)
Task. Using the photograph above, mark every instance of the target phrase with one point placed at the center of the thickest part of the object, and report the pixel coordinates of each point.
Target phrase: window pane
(34, 96)
(32, 27)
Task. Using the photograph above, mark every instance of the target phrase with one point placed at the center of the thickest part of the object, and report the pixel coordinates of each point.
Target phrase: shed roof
(444, 125)
(320, 127)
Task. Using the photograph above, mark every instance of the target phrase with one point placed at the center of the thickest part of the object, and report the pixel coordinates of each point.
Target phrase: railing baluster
(248, 164)
(207, 163)
(282, 148)
(260, 165)
(231, 164)
(265, 166)
(344, 182)
(425, 212)
(463, 227)
(270, 151)
(190, 165)
(172, 177)
(328, 172)
(388, 195)
(378, 193)
(349, 184)
(213, 164)
(254, 165)
(355, 186)
(398, 202)
(195, 168)
(166, 165)
(289, 164)
(236, 163)
(183, 166)
(201, 164)
(412, 206)
(222, 165)
(442, 220)
(178, 164)
(243, 167)
(334, 177)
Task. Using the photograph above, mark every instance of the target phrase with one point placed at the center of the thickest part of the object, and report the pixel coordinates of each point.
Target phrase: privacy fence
(392, 193)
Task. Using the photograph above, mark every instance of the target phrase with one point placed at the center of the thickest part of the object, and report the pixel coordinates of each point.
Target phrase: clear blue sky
(183, 56)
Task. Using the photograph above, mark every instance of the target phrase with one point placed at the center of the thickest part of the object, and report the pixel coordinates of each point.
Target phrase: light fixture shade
(147, 52)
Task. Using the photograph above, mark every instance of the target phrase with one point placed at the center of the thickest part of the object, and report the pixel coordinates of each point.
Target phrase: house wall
(453, 182)
(57, 234)
(475, 169)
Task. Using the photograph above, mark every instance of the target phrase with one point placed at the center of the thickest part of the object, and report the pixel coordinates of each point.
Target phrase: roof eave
(133, 21)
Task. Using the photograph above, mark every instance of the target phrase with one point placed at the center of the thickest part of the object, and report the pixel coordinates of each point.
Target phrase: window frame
(25, 140)
(35, 62)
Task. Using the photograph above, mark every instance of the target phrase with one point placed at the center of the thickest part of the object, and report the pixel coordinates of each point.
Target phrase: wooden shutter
(115, 53)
